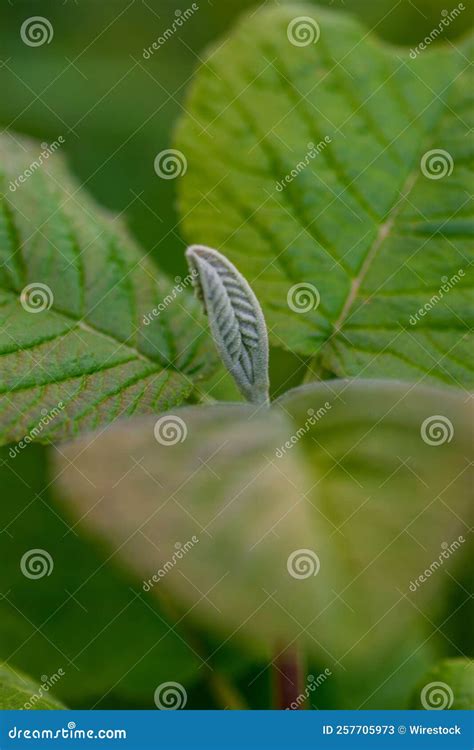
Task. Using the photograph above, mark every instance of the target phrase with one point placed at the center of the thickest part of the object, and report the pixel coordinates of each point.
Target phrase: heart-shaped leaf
(337, 173)
(311, 521)
(89, 330)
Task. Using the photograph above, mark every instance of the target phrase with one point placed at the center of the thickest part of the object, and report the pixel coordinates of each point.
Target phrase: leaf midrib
(382, 235)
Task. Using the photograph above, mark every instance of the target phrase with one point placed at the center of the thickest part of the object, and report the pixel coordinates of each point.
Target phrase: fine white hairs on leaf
(236, 320)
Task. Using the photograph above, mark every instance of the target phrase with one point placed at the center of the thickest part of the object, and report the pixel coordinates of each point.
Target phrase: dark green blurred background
(116, 111)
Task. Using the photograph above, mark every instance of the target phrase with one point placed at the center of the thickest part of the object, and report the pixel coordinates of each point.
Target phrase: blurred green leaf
(74, 295)
(306, 521)
(18, 692)
(90, 617)
(321, 157)
(449, 685)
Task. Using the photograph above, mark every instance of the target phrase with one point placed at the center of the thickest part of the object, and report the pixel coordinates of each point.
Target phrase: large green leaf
(343, 474)
(78, 338)
(19, 692)
(360, 220)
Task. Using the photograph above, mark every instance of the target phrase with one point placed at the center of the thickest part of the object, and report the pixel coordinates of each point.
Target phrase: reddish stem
(288, 680)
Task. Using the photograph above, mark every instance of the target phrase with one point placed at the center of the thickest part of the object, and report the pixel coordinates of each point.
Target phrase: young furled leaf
(236, 320)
